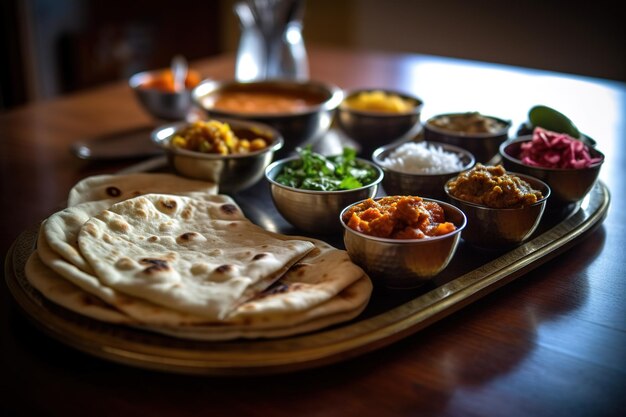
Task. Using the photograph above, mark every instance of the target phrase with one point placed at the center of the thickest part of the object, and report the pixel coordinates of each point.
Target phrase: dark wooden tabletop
(551, 343)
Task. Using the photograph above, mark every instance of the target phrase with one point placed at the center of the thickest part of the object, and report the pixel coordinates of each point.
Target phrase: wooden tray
(390, 316)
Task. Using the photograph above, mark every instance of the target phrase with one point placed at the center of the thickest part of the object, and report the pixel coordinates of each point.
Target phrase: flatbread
(101, 192)
(67, 295)
(321, 289)
(314, 280)
(177, 252)
(356, 296)
(61, 229)
(317, 277)
(120, 187)
(347, 305)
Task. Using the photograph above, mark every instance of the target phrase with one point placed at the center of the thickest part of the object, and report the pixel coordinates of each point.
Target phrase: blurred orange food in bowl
(163, 80)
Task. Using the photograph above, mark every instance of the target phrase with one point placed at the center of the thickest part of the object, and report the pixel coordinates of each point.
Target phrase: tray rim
(142, 349)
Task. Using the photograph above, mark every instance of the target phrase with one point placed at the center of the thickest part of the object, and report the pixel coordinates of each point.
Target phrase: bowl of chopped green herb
(310, 190)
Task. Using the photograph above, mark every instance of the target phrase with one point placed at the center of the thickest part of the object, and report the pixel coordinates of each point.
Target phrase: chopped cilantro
(326, 173)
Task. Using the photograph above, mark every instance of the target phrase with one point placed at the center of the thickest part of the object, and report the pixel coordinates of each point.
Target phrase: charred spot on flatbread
(223, 269)
(167, 205)
(259, 256)
(113, 191)
(188, 237)
(299, 269)
(155, 265)
(229, 209)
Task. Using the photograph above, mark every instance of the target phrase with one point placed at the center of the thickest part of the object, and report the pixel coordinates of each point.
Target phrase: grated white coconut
(422, 158)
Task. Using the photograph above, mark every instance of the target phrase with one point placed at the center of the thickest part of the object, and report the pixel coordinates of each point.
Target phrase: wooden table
(551, 343)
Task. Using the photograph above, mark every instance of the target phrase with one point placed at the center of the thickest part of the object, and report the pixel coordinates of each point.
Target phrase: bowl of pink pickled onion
(569, 166)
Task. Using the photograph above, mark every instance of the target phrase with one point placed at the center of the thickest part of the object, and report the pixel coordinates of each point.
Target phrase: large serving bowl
(568, 185)
(315, 211)
(396, 182)
(483, 146)
(372, 129)
(501, 228)
(311, 118)
(158, 99)
(231, 172)
(404, 263)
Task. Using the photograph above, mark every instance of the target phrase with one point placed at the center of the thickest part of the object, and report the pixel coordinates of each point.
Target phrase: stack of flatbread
(166, 254)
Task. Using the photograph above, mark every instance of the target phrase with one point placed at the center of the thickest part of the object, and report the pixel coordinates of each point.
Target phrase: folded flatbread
(180, 253)
(344, 306)
(321, 288)
(315, 279)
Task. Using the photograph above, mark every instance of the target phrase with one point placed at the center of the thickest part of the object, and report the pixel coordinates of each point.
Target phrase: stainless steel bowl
(501, 228)
(315, 211)
(483, 146)
(374, 129)
(160, 104)
(296, 127)
(404, 263)
(231, 172)
(568, 185)
(424, 185)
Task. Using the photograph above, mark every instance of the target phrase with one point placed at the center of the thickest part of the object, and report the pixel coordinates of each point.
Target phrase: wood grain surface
(551, 343)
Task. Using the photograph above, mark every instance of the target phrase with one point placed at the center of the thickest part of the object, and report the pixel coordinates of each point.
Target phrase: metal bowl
(165, 105)
(404, 263)
(374, 129)
(568, 185)
(231, 172)
(501, 228)
(297, 127)
(483, 146)
(424, 185)
(315, 211)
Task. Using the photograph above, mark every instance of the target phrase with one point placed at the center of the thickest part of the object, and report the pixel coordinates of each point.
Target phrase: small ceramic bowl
(483, 146)
(404, 263)
(315, 211)
(300, 123)
(232, 172)
(396, 182)
(501, 228)
(568, 185)
(372, 129)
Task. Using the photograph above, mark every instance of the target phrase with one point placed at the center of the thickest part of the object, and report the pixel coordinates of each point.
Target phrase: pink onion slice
(549, 149)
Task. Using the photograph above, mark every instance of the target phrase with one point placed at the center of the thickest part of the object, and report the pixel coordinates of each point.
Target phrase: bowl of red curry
(301, 111)
(402, 241)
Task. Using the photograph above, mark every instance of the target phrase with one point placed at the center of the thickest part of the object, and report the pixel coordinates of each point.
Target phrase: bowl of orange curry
(402, 241)
(301, 111)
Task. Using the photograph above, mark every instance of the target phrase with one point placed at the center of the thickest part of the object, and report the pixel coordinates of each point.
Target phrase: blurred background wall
(53, 47)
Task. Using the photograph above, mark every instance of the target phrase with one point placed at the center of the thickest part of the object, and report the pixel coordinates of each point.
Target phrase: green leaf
(314, 171)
